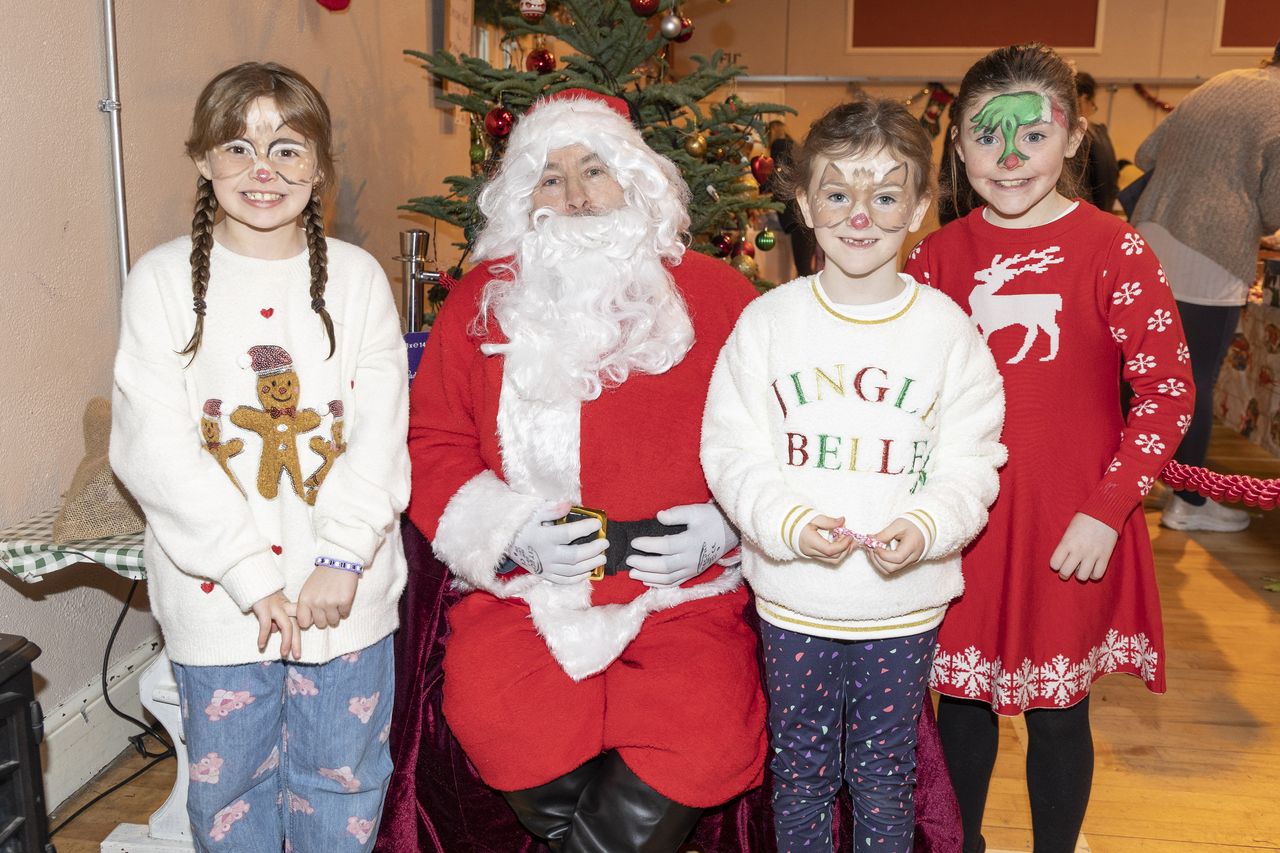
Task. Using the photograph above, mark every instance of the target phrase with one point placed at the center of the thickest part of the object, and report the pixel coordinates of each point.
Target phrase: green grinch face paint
(1006, 113)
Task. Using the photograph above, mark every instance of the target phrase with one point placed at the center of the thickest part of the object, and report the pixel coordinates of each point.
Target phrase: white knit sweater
(226, 455)
(872, 413)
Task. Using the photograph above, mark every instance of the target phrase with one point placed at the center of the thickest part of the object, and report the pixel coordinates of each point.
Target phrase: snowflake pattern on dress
(207, 770)
(1119, 335)
(1160, 320)
(1132, 243)
(1141, 363)
(1128, 292)
(226, 701)
(222, 820)
(1149, 443)
(1146, 407)
(1061, 681)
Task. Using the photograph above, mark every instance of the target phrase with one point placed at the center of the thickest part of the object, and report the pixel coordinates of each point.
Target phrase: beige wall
(59, 290)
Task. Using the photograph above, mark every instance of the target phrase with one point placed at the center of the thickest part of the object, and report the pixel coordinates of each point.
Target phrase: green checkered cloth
(27, 551)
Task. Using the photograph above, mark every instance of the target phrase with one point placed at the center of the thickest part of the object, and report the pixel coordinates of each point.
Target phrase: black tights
(1059, 768)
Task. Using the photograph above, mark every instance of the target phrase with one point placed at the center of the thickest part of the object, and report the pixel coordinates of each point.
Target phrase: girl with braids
(1060, 588)
(275, 562)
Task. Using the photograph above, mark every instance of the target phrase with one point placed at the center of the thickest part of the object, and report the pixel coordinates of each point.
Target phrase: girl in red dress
(1060, 587)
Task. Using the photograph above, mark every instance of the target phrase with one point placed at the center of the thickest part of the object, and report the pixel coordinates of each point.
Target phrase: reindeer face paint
(861, 192)
(861, 208)
(262, 179)
(267, 149)
(1013, 147)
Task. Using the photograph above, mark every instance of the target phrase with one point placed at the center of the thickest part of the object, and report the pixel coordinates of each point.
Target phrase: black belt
(620, 535)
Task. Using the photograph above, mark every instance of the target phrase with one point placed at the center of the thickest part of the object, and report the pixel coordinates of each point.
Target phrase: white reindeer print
(1034, 311)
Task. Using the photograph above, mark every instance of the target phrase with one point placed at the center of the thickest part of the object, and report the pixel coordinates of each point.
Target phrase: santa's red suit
(540, 678)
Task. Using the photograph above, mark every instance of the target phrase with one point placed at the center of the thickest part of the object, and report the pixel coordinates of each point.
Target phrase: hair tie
(317, 304)
(199, 305)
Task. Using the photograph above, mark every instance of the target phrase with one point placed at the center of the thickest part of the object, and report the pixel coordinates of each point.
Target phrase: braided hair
(219, 116)
(201, 247)
(318, 252)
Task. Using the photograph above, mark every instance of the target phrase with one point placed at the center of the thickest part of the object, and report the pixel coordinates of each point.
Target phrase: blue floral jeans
(286, 755)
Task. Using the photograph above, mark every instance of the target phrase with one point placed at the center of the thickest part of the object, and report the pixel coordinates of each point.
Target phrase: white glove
(682, 556)
(543, 547)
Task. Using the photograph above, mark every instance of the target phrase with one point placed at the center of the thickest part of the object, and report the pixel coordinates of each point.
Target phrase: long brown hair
(1032, 66)
(219, 117)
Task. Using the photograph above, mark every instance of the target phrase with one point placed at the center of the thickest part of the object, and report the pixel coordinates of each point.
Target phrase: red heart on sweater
(206, 587)
(267, 312)
(276, 549)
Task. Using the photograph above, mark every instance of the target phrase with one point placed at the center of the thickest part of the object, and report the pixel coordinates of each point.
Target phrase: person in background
(1214, 193)
(1100, 182)
(803, 245)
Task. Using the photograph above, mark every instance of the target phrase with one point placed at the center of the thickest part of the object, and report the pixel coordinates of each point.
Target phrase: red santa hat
(269, 359)
(212, 409)
(335, 409)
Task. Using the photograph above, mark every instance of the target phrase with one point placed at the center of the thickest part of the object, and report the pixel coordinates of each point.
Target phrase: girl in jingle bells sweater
(853, 399)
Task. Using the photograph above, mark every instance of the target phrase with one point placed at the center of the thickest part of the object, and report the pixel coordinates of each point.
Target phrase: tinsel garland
(1236, 488)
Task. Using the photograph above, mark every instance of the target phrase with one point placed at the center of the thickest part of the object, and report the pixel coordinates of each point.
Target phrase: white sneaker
(1212, 516)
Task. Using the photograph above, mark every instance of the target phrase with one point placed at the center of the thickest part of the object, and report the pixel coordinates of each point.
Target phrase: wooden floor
(1195, 770)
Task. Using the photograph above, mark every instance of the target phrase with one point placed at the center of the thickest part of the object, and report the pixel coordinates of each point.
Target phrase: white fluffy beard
(590, 302)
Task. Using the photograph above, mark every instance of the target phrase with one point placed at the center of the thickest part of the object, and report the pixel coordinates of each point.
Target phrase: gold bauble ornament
(746, 265)
(696, 145)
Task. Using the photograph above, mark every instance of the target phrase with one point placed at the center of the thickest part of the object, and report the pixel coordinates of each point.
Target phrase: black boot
(547, 810)
(620, 813)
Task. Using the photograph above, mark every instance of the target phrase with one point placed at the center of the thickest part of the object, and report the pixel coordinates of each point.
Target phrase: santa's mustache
(614, 234)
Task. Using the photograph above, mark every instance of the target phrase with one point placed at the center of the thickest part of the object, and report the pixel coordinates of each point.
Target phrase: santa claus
(599, 672)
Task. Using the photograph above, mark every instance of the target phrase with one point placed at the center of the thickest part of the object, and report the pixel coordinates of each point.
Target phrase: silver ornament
(671, 26)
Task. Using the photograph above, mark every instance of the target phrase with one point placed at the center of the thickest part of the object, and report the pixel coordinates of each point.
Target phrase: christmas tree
(621, 49)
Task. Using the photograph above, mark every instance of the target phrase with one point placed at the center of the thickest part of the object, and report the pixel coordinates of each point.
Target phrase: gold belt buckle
(598, 572)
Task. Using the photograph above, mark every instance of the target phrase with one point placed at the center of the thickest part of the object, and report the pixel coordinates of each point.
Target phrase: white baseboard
(82, 736)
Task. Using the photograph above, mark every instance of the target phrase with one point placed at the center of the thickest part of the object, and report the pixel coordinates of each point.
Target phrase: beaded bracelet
(345, 565)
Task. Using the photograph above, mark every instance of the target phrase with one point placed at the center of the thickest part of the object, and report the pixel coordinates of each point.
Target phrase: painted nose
(262, 175)
(860, 220)
(1011, 162)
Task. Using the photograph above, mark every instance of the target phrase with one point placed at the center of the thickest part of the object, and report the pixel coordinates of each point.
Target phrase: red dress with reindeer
(1068, 308)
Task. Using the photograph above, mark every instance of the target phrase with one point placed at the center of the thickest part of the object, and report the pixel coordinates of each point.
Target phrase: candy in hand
(868, 542)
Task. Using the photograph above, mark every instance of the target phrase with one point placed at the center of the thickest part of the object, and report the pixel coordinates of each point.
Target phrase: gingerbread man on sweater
(279, 421)
(211, 432)
(329, 450)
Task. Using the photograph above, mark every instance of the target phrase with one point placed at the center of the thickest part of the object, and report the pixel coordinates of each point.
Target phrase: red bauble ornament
(686, 29)
(742, 247)
(644, 8)
(723, 243)
(533, 10)
(762, 168)
(540, 60)
(498, 121)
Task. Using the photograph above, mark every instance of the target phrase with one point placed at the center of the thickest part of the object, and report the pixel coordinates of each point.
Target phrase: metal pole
(111, 106)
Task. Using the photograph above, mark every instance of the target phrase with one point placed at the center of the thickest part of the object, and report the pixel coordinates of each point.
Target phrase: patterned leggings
(844, 710)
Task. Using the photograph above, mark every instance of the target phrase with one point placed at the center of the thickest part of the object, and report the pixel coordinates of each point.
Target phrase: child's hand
(905, 545)
(275, 613)
(1085, 549)
(817, 546)
(325, 599)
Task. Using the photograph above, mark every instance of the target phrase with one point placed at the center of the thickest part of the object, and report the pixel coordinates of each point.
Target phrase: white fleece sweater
(868, 412)
(263, 453)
